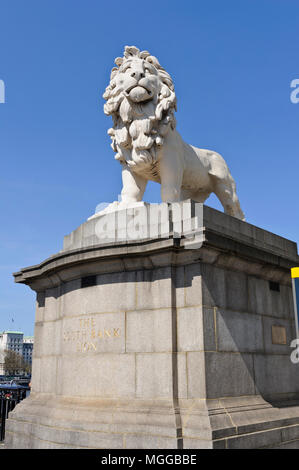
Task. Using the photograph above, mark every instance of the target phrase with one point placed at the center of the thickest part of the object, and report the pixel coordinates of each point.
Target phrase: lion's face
(138, 80)
(141, 99)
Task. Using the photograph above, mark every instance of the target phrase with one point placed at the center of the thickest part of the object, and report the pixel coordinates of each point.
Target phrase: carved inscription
(87, 334)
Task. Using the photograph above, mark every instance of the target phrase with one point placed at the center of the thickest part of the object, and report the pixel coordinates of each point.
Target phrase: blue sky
(232, 63)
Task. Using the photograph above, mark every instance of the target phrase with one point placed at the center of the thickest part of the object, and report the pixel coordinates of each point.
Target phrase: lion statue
(141, 100)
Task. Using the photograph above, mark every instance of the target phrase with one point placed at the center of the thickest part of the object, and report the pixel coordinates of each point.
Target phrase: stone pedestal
(153, 344)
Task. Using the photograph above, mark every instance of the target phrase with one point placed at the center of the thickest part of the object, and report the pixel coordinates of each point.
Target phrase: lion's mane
(139, 128)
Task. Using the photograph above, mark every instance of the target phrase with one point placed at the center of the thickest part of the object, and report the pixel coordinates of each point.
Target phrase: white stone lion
(141, 100)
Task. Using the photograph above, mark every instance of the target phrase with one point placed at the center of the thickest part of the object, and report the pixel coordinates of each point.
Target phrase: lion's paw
(115, 206)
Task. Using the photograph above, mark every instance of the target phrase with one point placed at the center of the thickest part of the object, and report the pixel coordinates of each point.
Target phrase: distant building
(28, 349)
(15, 341)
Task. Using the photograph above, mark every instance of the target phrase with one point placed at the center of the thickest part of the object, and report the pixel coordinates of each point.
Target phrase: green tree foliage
(14, 363)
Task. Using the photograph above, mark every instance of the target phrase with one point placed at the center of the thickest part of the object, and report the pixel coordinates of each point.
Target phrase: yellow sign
(295, 272)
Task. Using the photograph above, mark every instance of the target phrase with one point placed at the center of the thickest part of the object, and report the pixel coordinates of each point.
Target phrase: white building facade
(28, 342)
(15, 341)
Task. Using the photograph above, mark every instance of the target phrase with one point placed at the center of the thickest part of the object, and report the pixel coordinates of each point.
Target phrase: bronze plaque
(279, 335)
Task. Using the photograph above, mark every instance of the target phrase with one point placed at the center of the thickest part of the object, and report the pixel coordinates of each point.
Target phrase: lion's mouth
(128, 90)
(138, 94)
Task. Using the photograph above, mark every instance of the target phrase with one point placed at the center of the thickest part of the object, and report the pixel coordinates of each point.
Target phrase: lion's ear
(166, 104)
(144, 54)
(113, 72)
(166, 79)
(118, 61)
(107, 93)
(153, 60)
(131, 51)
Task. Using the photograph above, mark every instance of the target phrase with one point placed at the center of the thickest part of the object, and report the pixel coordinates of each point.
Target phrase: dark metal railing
(10, 396)
(6, 405)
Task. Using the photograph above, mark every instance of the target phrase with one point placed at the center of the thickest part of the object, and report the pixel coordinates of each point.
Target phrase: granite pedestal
(153, 344)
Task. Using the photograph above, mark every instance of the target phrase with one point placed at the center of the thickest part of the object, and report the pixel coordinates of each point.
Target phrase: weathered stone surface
(153, 288)
(102, 297)
(196, 375)
(239, 332)
(275, 375)
(149, 442)
(189, 329)
(48, 374)
(193, 285)
(154, 375)
(149, 331)
(168, 342)
(240, 379)
(213, 286)
(255, 441)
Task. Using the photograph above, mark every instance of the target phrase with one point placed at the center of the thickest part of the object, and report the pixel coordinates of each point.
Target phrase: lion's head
(141, 100)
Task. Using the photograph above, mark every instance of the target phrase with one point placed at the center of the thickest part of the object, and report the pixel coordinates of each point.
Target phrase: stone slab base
(245, 422)
(163, 343)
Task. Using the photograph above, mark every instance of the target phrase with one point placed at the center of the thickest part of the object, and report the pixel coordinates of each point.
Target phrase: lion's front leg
(133, 186)
(132, 192)
(170, 192)
(171, 168)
